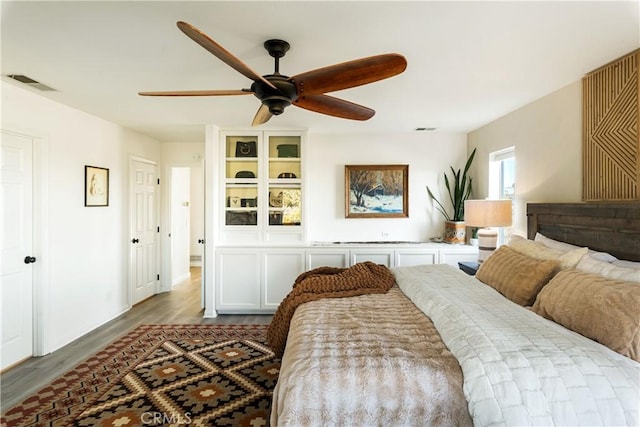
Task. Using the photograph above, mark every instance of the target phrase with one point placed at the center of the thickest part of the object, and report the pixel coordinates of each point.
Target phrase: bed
(444, 348)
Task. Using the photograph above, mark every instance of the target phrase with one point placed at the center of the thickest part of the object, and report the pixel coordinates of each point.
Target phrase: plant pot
(455, 232)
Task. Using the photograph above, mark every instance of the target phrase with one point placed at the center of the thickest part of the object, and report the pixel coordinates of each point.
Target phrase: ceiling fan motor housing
(275, 100)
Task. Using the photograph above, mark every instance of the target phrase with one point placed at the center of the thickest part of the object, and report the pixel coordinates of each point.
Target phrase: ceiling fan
(307, 90)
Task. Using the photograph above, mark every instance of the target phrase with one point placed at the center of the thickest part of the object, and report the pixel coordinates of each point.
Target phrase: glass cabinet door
(241, 180)
(284, 180)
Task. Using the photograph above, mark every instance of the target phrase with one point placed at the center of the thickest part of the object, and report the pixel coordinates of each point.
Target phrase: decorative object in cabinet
(241, 184)
(285, 180)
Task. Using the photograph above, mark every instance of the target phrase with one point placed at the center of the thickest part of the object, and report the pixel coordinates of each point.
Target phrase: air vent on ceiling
(29, 81)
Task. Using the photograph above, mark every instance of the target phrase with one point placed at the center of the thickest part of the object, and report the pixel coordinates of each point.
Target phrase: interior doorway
(24, 283)
(16, 277)
(144, 245)
(180, 225)
(186, 225)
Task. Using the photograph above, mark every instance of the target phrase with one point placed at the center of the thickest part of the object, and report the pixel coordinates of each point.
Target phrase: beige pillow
(608, 270)
(540, 251)
(516, 276)
(602, 309)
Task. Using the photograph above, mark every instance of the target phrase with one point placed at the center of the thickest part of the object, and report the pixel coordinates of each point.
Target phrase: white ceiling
(468, 62)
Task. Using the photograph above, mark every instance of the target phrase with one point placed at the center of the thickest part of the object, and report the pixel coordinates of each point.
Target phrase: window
(502, 180)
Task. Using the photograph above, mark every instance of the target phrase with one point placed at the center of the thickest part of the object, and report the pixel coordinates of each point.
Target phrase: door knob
(29, 259)
(200, 240)
(135, 241)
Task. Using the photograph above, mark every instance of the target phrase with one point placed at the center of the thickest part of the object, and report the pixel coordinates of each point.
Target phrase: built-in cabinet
(250, 280)
(260, 237)
(262, 187)
(334, 257)
(256, 279)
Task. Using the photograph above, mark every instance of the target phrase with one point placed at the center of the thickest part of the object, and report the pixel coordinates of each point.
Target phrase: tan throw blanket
(370, 360)
(326, 282)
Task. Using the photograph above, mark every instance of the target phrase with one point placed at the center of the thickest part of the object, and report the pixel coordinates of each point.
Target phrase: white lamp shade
(487, 213)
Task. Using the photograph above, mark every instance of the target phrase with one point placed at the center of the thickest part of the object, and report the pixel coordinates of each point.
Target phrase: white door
(16, 295)
(144, 230)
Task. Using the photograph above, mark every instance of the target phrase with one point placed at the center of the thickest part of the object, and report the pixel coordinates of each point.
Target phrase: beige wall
(547, 138)
(428, 154)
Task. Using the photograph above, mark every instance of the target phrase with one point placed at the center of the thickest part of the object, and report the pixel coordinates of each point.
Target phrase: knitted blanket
(326, 282)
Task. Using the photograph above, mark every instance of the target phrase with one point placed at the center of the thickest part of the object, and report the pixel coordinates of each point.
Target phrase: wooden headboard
(606, 227)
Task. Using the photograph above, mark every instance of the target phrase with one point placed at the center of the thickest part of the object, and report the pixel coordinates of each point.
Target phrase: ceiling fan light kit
(307, 90)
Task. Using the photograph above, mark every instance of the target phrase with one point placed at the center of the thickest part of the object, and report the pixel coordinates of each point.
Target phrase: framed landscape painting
(376, 191)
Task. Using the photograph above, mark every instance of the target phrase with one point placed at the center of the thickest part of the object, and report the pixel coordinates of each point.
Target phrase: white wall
(547, 135)
(428, 154)
(87, 255)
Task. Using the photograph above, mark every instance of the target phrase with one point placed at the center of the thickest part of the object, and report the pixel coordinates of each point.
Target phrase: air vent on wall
(29, 81)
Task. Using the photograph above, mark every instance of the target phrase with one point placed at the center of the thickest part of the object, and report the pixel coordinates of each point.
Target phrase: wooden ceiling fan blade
(336, 107)
(196, 93)
(349, 74)
(221, 53)
(262, 116)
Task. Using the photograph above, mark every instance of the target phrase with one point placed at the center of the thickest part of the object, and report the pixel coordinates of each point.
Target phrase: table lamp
(484, 214)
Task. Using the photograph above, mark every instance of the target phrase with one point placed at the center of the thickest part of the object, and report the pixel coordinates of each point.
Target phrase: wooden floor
(182, 305)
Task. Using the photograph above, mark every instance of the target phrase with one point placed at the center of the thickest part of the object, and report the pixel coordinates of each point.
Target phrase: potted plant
(459, 189)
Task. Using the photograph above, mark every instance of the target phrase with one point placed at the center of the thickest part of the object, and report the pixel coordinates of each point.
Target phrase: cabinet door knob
(29, 259)
(201, 241)
(135, 240)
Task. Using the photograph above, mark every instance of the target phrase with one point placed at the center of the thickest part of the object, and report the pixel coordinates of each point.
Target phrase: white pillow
(554, 244)
(602, 256)
(608, 270)
(627, 264)
(540, 251)
(566, 247)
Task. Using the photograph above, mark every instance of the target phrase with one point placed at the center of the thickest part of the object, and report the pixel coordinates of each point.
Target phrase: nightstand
(469, 267)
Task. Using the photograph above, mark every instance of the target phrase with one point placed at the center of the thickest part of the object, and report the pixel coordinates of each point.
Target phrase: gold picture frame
(96, 186)
(376, 191)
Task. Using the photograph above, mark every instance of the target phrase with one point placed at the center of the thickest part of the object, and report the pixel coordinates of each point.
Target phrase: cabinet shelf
(242, 159)
(241, 182)
(284, 159)
(285, 182)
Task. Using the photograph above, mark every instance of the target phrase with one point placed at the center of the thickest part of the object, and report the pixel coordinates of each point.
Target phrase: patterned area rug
(213, 375)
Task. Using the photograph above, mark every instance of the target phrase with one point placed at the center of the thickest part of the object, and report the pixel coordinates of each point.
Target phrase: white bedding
(519, 368)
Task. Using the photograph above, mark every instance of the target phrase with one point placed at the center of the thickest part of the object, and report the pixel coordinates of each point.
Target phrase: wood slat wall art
(611, 141)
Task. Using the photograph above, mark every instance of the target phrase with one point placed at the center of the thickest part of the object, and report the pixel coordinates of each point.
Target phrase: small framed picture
(96, 186)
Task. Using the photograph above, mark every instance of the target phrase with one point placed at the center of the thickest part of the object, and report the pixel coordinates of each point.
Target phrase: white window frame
(496, 181)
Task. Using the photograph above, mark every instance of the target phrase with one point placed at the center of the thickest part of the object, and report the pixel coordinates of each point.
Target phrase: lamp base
(487, 242)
